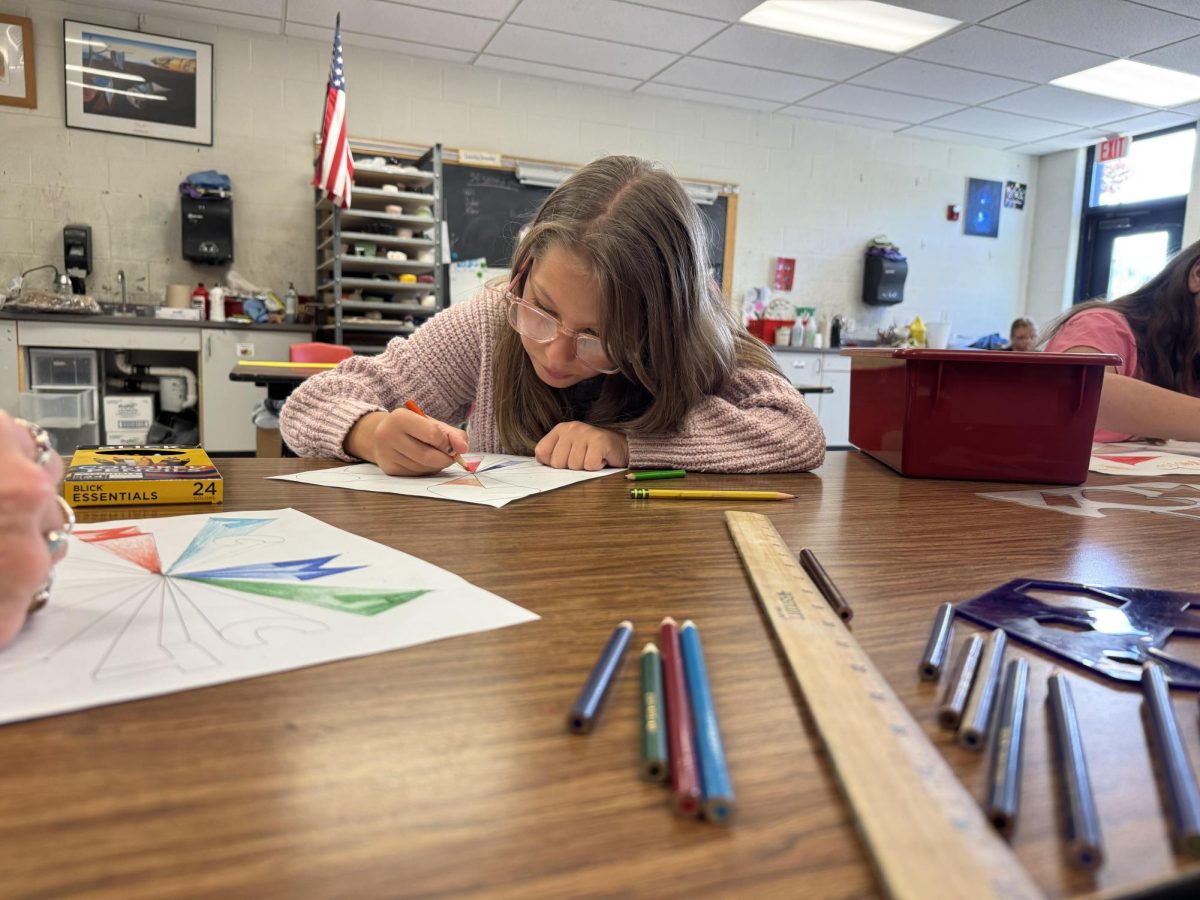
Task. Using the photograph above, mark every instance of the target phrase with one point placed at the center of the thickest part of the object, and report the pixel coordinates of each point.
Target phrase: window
(1133, 220)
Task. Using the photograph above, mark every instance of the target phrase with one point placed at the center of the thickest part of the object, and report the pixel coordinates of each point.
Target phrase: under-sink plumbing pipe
(189, 377)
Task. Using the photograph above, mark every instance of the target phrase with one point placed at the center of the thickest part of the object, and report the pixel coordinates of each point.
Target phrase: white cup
(937, 334)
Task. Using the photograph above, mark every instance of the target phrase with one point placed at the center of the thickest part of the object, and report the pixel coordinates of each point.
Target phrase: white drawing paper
(144, 607)
(1144, 459)
(1094, 501)
(498, 480)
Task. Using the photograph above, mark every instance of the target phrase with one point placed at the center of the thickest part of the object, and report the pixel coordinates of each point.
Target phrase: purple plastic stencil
(1110, 630)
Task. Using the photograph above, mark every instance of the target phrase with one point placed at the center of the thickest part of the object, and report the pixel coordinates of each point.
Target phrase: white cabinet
(226, 406)
(828, 370)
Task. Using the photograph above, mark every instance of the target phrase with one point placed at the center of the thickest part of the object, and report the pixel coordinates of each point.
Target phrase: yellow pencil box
(109, 475)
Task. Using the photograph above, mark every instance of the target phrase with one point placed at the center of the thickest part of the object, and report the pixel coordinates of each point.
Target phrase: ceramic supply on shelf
(397, 255)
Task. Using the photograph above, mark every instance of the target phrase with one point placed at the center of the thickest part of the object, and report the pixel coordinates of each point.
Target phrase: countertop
(69, 318)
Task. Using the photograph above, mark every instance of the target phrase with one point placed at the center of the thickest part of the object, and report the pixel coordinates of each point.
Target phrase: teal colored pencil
(655, 764)
(655, 474)
(715, 786)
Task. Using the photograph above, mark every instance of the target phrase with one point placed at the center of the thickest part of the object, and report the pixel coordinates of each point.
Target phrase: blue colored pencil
(714, 773)
(582, 716)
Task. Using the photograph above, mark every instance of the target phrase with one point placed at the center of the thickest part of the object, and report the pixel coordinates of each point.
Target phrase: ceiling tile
(613, 21)
(354, 39)
(272, 9)
(403, 23)
(1062, 105)
(257, 15)
(992, 123)
(744, 81)
(486, 9)
(1116, 27)
(536, 45)
(789, 53)
(955, 137)
(848, 98)
(725, 10)
(557, 72)
(827, 115)
(911, 76)
(683, 93)
(1184, 56)
(1183, 7)
(963, 10)
(999, 53)
(1070, 141)
(1154, 121)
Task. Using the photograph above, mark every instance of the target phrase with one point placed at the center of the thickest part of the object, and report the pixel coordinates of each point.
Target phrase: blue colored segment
(714, 773)
(288, 570)
(214, 529)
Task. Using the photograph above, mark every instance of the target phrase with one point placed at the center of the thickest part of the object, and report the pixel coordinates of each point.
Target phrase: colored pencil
(582, 717)
(655, 760)
(974, 726)
(282, 364)
(829, 590)
(1084, 847)
(938, 646)
(1003, 798)
(681, 735)
(411, 406)
(659, 494)
(655, 474)
(1179, 782)
(958, 688)
(715, 786)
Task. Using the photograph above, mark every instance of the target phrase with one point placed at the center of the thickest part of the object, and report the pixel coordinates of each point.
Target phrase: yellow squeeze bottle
(916, 332)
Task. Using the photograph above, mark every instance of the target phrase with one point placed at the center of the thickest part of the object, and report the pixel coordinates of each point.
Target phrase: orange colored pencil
(411, 406)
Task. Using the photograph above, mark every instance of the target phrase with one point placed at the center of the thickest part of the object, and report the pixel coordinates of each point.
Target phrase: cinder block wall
(816, 190)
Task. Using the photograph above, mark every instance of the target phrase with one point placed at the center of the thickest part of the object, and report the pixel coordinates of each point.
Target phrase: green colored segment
(360, 601)
(655, 766)
(657, 474)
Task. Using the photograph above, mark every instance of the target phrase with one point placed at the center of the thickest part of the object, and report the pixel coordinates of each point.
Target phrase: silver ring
(56, 538)
(43, 445)
(41, 597)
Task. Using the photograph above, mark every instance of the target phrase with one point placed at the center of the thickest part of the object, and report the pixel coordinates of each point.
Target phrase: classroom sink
(126, 310)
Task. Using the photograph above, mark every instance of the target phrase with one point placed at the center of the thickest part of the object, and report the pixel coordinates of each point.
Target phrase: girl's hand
(575, 445)
(402, 442)
(29, 509)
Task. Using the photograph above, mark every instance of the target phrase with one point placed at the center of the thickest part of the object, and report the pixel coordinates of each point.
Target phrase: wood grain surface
(446, 769)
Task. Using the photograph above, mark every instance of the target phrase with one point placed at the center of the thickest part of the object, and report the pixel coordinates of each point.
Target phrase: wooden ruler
(924, 831)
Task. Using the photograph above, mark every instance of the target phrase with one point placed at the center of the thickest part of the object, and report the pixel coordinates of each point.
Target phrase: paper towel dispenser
(207, 229)
(77, 254)
(883, 281)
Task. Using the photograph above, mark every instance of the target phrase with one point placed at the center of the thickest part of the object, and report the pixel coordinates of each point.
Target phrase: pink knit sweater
(758, 423)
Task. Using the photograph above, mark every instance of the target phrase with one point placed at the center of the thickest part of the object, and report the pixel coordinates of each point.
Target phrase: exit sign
(1114, 147)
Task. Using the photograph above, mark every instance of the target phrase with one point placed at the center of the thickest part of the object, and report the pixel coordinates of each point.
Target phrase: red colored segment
(1129, 460)
(472, 464)
(128, 543)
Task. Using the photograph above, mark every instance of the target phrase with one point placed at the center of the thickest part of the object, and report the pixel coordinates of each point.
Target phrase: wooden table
(279, 380)
(446, 769)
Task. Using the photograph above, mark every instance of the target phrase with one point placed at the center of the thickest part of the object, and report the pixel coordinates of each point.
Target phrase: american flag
(335, 167)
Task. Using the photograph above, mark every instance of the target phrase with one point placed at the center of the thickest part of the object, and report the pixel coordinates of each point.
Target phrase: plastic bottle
(916, 332)
(216, 304)
(291, 303)
(200, 300)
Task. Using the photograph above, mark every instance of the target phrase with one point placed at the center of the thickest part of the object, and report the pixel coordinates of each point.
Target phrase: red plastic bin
(980, 415)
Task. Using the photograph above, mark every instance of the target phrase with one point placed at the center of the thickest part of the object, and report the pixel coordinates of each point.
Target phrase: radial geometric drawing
(156, 605)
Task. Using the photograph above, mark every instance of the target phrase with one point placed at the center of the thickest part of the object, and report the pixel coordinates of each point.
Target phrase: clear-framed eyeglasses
(542, 328)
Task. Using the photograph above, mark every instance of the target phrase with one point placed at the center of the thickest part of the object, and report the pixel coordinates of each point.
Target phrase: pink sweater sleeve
(438, 367)
(759, 423)
(1105, 329)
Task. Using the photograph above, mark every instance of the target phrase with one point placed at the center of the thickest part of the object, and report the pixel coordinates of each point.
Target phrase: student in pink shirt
(611, 345)
(1155, 391)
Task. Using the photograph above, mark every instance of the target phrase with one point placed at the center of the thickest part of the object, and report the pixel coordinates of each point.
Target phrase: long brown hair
(1162, 315)
(663, 319)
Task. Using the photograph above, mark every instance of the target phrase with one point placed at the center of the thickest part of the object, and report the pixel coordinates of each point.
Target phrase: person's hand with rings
(34, 521)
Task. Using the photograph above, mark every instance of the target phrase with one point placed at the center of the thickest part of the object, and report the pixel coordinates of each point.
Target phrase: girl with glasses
(611, 345)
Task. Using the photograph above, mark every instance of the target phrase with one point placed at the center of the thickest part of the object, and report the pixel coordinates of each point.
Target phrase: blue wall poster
(983, 207)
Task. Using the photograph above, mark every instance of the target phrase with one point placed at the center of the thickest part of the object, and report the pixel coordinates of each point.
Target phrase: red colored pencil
(681, 731)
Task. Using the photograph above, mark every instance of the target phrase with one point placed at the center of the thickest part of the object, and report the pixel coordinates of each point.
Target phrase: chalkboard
(487, 208)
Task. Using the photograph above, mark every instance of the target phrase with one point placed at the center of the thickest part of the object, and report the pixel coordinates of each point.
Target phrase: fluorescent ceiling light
(863, 23)
(1135, 82)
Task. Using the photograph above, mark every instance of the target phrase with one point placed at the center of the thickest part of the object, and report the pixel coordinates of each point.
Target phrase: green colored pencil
(655, 765)
(655, 474)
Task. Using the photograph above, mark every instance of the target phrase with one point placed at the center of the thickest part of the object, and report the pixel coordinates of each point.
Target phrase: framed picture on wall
(129, 82)
(18, 74)
(983, 207)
